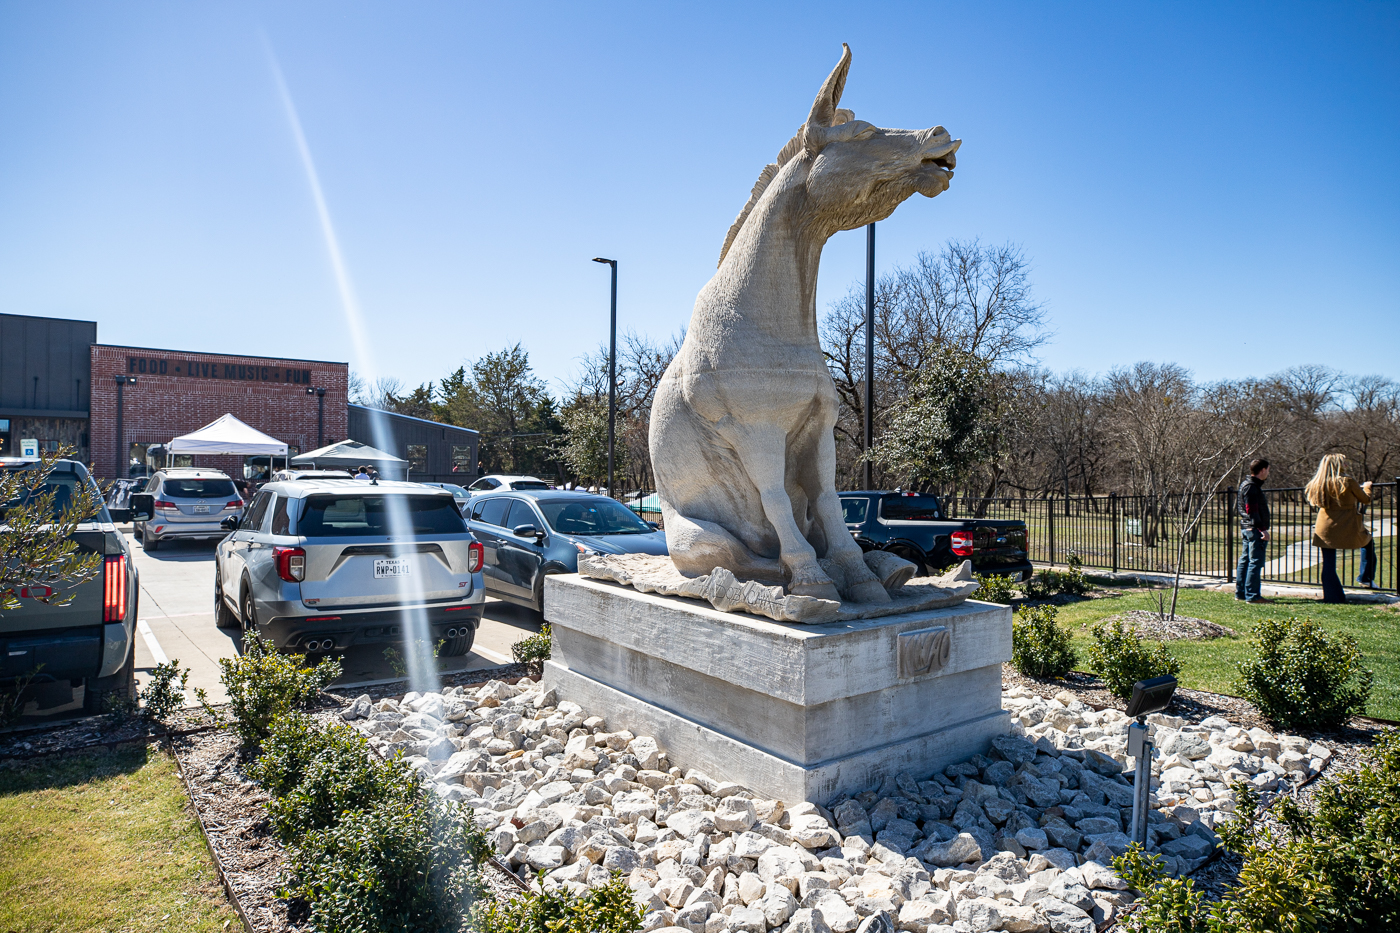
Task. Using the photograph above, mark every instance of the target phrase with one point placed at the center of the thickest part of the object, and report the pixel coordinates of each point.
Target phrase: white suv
(189, 503)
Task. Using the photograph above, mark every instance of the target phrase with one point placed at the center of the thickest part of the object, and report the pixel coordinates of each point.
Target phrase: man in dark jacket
(1253, 508)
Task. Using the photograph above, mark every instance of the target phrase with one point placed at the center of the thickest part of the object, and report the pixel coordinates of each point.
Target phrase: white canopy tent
(228, 435)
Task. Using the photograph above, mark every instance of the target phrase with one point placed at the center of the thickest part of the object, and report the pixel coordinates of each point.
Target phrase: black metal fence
(1128, 533)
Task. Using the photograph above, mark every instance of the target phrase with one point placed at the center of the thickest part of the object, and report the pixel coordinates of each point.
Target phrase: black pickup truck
(913, 526)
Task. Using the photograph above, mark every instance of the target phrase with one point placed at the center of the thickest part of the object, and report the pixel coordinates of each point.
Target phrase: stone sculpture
(741, 426)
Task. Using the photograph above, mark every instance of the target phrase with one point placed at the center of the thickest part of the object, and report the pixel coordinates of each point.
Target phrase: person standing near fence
(1338, 500)
(1253, 508)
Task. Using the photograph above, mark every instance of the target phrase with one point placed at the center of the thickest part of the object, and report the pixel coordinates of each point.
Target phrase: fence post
(1051, 513)
(1394, 537)
(1229, 535)
(1113, 517)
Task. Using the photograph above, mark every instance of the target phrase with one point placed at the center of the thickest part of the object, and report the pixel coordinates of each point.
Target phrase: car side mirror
(143, 507)
(655, 525)
(231, 523)
(526, 531)
(119, 516)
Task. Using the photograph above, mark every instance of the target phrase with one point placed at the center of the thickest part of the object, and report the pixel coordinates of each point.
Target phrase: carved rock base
(797, 712)
(723, 591)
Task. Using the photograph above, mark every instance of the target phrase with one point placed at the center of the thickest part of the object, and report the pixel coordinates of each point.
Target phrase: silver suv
(190, 504)
(320, 565)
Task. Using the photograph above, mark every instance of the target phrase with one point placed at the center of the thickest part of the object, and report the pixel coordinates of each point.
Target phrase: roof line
(234, 356)
(395, 414)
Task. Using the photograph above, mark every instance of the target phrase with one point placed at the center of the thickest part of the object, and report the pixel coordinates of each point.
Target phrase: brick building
(177, 392)
(58, 387)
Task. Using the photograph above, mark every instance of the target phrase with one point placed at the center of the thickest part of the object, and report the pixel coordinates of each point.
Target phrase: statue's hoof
(871, 591)
(815, 590)
(893, 570)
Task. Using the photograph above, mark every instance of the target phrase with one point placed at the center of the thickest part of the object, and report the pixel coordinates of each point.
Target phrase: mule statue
(742, 439)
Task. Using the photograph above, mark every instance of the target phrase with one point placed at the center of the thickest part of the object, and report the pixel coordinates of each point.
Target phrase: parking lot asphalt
(175, 622)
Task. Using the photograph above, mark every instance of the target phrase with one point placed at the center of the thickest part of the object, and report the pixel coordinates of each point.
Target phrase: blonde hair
(1326, 486)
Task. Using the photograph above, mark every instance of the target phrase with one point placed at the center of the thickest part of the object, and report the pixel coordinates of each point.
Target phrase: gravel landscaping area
(1019, 839)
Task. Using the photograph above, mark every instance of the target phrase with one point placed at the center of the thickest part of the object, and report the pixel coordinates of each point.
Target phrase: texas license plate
(200, 509)
(392, 567)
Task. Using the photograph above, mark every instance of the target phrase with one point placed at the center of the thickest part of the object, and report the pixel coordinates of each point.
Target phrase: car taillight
(233, 504)
(962, 543)
(114, 589)
(291, 563)
(476, 556)
(162, 504)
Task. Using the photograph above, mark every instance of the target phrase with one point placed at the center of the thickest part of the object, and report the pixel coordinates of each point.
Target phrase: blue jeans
(1331, 586)
(1250, 571)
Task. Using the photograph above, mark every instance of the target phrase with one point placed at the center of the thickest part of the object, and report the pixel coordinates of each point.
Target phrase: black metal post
(1113, 515)
(869, 352)
(612, 372)
(1229, 535)
(1050, 513)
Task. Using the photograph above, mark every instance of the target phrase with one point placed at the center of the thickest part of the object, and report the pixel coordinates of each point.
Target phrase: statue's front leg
(862, 586)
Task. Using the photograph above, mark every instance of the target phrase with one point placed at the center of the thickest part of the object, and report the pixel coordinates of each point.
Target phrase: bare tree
(969, 297)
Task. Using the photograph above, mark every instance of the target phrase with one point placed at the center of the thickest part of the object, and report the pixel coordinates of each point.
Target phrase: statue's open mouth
(947, 158)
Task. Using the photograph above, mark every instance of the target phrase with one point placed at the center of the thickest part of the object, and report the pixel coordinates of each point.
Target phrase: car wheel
(539, 595)
(456, 647)
(223, 616)
(148, 542)
(101, 692)
(249, 614)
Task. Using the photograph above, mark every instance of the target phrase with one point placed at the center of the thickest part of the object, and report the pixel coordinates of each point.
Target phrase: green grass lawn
(1211, 665)
(103, 842)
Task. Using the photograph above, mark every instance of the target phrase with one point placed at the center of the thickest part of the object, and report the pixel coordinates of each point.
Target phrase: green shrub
(165, 694)
(1164, 905)
(994, 588)
(315, 775)
(534, 650)
(396, 660)
(408, 865)
(1121, 659)
(1301, 679)
(264, 684)
(1051, 582)
(1333, 869)
(607, 909)
(1039, 647)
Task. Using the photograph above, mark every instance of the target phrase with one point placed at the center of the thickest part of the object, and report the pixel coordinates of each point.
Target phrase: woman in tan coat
(1339, 524)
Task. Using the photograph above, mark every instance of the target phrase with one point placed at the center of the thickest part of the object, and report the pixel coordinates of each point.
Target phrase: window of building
(418, 458)
(462, 460)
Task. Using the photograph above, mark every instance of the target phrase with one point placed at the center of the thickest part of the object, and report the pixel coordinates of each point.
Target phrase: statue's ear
(843, 116)
(824, 108)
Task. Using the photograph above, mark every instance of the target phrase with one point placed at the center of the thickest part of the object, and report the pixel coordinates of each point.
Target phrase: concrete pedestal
(797, 712)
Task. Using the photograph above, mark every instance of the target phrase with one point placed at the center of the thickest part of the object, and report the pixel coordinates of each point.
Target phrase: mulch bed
(1150, 625)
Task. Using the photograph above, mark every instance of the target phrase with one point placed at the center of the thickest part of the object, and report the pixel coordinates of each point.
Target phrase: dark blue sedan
(531, 534)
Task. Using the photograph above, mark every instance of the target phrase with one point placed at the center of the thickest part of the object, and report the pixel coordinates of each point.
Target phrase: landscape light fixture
(612, 371)
(122, 380)
(320, 394)
(1149, 696)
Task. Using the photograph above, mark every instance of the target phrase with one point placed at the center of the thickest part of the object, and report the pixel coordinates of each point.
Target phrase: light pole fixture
(320, 394)
(1149, 696)
(612, 372)
(869, 353)
(122, 381)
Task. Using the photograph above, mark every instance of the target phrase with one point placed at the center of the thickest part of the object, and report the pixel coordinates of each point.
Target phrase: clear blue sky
(1212, 184)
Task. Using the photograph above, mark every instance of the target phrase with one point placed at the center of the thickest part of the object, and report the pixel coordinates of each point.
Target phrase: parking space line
(492, 655)
(151, 642)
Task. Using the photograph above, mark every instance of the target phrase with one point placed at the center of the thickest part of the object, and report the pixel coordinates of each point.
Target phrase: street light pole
(122, 382)
(869, 353)
(612, 373)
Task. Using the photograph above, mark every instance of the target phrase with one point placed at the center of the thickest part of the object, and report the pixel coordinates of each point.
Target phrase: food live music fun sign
(238, 372)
